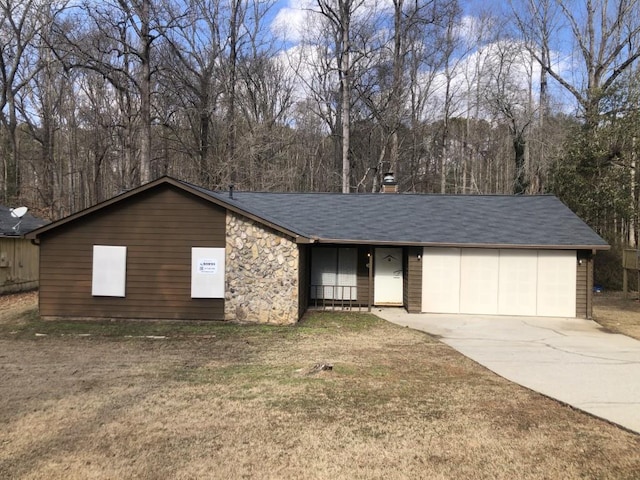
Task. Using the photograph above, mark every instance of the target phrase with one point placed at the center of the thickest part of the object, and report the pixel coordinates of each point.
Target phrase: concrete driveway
(572, 360)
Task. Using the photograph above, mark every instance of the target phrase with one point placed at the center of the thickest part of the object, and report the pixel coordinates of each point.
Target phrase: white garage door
(479, 281)
(518, 282)
(502, 282)
(441, 280)
(556, 284)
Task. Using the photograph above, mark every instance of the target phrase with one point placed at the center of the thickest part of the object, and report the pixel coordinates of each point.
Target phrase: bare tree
(21, 24)
(454, 52)
(192, 84)
(538, 22)
(340, 14)
(320, 63)
(507, 88)
(606, 36)
(386, 92)
(117, 42)
(236, 17)
(39, 105)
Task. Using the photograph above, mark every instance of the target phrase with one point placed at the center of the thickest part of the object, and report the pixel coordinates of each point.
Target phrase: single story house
(18, 256)
(173, 250)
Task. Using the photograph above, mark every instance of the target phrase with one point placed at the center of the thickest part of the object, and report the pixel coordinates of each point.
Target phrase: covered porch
(359, 277)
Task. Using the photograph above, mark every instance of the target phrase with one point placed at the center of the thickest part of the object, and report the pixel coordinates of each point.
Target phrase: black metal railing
(334, 297)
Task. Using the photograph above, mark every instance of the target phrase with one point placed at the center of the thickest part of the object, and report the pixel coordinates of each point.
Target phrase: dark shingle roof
(518, 220)
(7, 222)
(537, 221)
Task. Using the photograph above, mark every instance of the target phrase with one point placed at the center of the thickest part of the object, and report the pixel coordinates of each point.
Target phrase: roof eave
(461, 245)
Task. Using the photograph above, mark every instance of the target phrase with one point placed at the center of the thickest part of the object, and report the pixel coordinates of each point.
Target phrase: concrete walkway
(572, 360)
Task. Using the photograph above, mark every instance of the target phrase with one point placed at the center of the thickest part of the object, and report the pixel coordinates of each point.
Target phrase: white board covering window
(334, 273)
(207, 272)
(109, 272)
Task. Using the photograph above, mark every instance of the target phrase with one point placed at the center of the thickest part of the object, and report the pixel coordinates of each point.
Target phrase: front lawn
(340, 396)
(618, 314)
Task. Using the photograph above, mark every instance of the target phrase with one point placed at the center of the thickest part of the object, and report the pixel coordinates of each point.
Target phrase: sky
(289, 14)
(288, 21)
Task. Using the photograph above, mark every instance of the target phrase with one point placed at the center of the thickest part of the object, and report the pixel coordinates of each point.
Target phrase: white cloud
(476, 76)
(294, 21)
(291, 21)
(469, 29)
(472, 74)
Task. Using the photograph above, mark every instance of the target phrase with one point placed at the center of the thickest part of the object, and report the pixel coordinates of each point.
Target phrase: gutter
(342, 241)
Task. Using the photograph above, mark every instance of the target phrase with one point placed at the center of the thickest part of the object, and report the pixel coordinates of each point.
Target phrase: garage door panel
(441, 280)
(503, 282)
(517, 282)
(479, 281)
(556, 284)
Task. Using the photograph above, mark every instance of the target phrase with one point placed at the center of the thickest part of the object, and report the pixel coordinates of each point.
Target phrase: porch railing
(334, 297)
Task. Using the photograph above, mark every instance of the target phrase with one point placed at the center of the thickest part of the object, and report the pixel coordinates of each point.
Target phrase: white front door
(388, 276)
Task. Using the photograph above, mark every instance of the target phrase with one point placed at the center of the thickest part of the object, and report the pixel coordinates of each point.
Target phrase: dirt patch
(617, 314)
(225, 401)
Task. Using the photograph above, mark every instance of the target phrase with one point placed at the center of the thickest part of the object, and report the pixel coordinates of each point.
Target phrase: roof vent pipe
(389, 184)
(231, 191)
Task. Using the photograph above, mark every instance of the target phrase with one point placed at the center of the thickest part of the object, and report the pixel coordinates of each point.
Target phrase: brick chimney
(389, 184)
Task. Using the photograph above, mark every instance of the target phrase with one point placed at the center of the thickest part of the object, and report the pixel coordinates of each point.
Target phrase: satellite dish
(18, 212)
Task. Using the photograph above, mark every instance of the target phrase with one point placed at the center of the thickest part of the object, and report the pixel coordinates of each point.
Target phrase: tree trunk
(345, 69)
(145, 93)
(346, 167)
(12, 185)
(519, 147)
(396, 89)
(232, 168)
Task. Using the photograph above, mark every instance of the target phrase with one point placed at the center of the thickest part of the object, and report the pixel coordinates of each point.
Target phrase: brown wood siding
(590, 277)
(590, 265)
(583, 284)
(363, 276)
(412, 279)
(18, 265)
(304, 278)
(158, 227)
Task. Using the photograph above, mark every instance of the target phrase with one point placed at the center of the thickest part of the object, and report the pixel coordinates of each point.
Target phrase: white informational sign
(207, 272)
(109, 272)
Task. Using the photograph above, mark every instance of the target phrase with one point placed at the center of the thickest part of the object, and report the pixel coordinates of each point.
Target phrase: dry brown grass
(239, 402)
(13, 306)
(617, 314)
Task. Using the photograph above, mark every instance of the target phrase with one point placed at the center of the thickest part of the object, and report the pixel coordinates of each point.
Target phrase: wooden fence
(18, 265)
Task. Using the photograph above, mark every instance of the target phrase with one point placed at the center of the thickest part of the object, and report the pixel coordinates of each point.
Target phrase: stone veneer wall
(261, 273)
